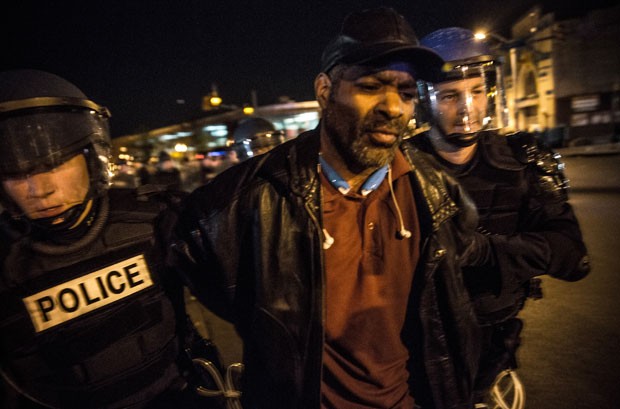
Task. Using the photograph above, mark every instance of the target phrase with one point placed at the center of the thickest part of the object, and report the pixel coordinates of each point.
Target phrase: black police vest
(93, 328)
(498, 181)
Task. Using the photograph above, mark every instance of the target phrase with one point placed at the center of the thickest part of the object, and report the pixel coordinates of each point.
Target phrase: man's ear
(322, 89)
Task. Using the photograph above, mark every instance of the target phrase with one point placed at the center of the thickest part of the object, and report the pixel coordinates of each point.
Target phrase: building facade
(563, 76)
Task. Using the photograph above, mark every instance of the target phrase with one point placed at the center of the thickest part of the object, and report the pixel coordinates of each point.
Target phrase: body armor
(506, 176)
(92, 327)
(500, 179)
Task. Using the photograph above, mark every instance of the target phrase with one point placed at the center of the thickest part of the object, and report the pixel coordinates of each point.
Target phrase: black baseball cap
(377, 34)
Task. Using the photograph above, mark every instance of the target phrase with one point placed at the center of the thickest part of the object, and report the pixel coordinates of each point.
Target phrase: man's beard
(346, 133)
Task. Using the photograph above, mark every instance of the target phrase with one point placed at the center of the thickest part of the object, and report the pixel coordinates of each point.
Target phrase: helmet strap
(451, 142)
(68, 226)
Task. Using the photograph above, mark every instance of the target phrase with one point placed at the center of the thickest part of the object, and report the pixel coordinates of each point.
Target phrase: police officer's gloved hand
(480, 253)
(568, 262)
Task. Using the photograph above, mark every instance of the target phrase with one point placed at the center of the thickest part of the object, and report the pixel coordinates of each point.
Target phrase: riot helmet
(254, 136)
(46, 122)
(470, 96)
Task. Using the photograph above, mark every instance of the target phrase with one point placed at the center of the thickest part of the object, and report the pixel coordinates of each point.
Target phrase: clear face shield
(52, 158)
(49, 193)
(470, 100)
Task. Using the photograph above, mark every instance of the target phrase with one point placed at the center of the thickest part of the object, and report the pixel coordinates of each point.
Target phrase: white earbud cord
(404, 233)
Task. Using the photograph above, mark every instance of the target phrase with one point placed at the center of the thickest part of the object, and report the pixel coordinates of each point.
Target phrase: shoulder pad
(549, 162)
(537, 153)
(545, 162)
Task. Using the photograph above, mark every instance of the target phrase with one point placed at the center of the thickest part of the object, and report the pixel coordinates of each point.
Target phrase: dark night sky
(139, 57)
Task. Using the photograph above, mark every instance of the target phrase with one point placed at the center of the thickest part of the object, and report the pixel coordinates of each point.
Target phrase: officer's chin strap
(92, 234)
(225, 387)
(507, 385)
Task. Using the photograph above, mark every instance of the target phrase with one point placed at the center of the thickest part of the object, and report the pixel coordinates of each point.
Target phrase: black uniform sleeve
(183, 236)
(552, 242)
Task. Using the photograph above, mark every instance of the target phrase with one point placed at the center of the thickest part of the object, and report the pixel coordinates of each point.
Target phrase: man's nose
(41, 185)
(391, 105)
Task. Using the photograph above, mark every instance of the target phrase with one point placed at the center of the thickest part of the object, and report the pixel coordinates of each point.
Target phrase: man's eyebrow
(455, 89)
(448, 90)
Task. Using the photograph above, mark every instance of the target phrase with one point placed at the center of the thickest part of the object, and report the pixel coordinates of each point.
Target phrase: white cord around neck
(403, 233)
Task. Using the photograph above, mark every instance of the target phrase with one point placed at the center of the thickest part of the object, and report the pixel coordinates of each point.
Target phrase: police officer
(254, 136)
(87, 317)
(517, 185)
(167, 173)
(216, 160)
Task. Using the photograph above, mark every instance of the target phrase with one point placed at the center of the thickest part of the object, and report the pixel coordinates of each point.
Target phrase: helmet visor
(470, 99)
(40, 139)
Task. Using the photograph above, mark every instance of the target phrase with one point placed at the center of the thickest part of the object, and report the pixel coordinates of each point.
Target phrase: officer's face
(366, 114)
(460, 106)
(48, 194)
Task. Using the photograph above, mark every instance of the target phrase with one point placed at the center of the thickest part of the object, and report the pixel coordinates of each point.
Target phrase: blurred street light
(212, 100)
(215, 100)
(481, 35)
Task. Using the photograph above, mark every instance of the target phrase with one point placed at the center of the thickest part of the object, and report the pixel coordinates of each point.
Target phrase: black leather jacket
(249, 245)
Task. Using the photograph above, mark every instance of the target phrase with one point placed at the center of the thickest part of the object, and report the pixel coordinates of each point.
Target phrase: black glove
(569, 259)
(480, 252)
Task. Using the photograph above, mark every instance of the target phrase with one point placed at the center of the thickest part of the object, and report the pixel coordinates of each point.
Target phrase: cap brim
(426, 62)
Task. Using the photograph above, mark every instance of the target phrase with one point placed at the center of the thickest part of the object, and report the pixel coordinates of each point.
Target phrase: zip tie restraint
(225, 388)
